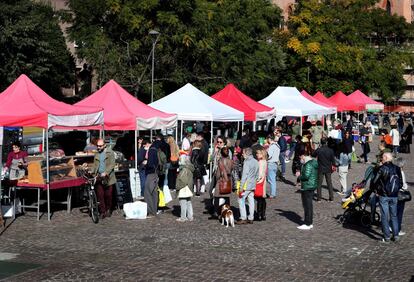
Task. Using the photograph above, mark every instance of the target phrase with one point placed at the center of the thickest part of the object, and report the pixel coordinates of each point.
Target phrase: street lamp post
(154, 35)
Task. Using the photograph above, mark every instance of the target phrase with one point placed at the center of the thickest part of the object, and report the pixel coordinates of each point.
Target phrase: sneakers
(305, 227)
(287, 160)
(181, 219)
(341, 193)
(385, 241)
(401, 233)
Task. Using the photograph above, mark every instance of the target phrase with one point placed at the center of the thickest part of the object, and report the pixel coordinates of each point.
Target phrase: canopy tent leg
(47, 174)
(43, 141)
(136, 151)
(211, 151)
(151, 135)
(254, 126)
(301, 125)
(181, 130)
(238, 127)
(176, 132)
(1, 165)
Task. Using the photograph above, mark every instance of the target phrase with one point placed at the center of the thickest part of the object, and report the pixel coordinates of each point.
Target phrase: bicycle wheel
(93, 206)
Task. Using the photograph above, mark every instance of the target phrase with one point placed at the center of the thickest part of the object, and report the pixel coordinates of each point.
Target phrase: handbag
(224, 182)
(404, 195)
(185, 192)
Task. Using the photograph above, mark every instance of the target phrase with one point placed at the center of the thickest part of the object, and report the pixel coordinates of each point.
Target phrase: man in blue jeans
(273, 153)
(387, 182)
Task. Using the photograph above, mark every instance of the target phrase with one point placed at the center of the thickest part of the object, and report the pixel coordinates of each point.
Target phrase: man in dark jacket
(326, 161)
(388, 182)
(151, 179)
(309, 182)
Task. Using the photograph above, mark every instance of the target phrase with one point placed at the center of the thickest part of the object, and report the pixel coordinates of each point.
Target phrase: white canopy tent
(189, 103)
(288, 101)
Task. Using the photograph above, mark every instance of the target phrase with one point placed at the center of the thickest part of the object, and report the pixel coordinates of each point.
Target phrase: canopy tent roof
(125, 112)
(289, 102)
(23, 103)
(322, 98)
(344, 103)
(369, 104)
(313, 99)
(234, 98)
(189, 103)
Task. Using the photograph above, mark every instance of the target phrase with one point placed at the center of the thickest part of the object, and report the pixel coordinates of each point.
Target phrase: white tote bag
(167, 194)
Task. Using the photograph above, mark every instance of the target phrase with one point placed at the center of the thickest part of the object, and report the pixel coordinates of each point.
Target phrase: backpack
(394, 183)
(162, 162)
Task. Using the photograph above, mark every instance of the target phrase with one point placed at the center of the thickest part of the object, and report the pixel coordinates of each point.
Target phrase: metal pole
(181, 130)
(301, 129)
(152, 71)
(211, 152)
(136, 151)
(176, 132)
(47, 174)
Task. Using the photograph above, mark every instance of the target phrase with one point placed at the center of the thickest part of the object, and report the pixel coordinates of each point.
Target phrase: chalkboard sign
(123, 191)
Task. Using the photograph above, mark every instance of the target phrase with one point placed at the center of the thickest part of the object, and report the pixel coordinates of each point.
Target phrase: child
(184, 186)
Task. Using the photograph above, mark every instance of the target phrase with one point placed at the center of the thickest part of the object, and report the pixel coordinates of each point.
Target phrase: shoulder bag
(224, 182)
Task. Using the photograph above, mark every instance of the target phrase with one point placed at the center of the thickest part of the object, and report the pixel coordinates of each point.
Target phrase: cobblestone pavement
(71, 247)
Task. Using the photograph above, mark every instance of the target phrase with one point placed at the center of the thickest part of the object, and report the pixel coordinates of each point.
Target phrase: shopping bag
(354, 157)
(206, 177)
(185, 192)
(167, 194)
(135, 210)
(161, 200)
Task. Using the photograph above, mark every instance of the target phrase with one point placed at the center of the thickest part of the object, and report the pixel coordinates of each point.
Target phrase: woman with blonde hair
(260, 191)
(172, 170)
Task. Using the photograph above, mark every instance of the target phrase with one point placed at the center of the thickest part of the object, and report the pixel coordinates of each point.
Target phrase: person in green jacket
(309, 182)
(184, 186)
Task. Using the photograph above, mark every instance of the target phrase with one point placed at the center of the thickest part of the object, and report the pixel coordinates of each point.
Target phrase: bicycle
(91, 196)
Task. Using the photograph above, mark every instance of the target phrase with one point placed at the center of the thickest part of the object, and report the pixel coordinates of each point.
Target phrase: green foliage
(348, 45)
(206, 43)
(32, 43)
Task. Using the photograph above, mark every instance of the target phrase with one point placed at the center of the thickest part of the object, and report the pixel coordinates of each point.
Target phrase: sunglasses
(100, 146)
(220, 142)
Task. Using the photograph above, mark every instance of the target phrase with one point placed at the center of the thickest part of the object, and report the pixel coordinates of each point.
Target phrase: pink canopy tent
(233, 97)
(343, 103)
(123, 111)
(322, 98)
(317, 101)
(23, 103)
(369, 104)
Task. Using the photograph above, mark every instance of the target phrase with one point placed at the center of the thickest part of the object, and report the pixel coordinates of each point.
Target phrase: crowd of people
(251, 167)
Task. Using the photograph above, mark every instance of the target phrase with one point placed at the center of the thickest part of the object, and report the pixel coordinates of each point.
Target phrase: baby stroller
(355, 204)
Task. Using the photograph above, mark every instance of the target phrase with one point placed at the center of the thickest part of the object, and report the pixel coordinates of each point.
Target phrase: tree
(207, 43)
(32, 43)
(349, 45)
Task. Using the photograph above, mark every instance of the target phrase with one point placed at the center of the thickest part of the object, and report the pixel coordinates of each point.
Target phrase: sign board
(134, 183)
(123, 191)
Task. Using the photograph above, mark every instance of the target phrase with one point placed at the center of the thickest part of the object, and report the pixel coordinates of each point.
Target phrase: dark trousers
(307, 202)
(172, 178)
(328, 181)
(151, 193)
(261, 208)
(365, 150)
(104, 195)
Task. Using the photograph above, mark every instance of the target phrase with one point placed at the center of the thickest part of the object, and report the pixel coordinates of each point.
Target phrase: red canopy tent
(23, 103)
(369, 104)
(317, 101)
(321, 98)
(123, 111)
(233, 97)
(343, 103)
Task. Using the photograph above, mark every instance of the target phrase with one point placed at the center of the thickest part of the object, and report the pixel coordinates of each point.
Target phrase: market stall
(369, 104)
(288, 101)
(123, 111)
(191, 104)
(23, 103)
